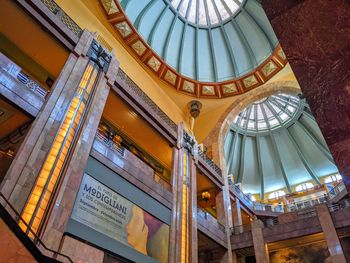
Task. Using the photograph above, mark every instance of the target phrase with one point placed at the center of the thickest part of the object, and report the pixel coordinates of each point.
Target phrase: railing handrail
(209, 161)
(24, 78)
(36, 237)
(121, 150)
(207, 215)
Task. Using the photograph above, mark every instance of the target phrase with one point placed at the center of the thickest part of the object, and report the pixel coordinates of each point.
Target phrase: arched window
(277, 194)
(333, 178)
(304, 187)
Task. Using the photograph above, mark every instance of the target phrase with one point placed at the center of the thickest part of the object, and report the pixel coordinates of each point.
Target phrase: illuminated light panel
(184, 216)
(34, 210)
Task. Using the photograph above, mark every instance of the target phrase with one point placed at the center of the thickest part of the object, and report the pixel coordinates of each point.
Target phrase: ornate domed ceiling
(204, 48)
(275, 144)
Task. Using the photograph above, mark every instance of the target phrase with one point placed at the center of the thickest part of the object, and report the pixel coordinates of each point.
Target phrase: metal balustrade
(109, 143)
(337, 189)
(210, 162)
(11, 72)
(116, 147)
(208, 217)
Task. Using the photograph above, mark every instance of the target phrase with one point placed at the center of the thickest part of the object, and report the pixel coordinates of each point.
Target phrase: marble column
(220, 208)
(330, 233)
(67, 123)
(224, 217)
(183, 245)
(237, 216)
(315, 36)
(260, 246)
(60, 213)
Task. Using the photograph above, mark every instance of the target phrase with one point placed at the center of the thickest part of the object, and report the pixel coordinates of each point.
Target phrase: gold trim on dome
(154, 63)
(170, 77)
(146, 55)
(281, 54)
(139, 47)
(269, 68)
(250, 81)
(208, 90)
(110, 6)
(124, 29)
(188, 86)
(229, 88)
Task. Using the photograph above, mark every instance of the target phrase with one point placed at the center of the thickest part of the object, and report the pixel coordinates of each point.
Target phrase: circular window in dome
(268, 113)
(206, 12)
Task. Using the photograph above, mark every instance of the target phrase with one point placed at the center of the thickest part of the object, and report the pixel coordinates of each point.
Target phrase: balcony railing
(208, 217)
(242, 196)
(337, 189)
(121, 150)
(9, 72)
(209, 162)
(109, 143)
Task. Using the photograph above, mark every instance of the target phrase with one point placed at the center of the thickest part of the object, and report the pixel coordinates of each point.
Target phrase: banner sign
(107, 212)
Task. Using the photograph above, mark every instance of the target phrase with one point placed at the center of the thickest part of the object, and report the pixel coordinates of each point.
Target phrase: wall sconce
(206, 196)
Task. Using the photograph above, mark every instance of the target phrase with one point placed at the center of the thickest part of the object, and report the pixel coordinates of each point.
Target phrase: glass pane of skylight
(212, 14)
(202, 19)
(184, 7)
(191, 16)
(175, 3)
(215, 10)
(222, 10)
(270, 112)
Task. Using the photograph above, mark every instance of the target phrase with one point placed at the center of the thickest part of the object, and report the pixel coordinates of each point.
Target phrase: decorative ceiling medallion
(110, 6)
(188, 86)
(250, 81)
(208, 90)
(124, 29)
(170, 77)
(154, 63)
(138, 47)
(229, 88)
(269, 68)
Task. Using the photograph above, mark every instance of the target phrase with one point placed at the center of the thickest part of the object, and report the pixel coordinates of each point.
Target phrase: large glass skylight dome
(206, 41)
(275, 144)
(268, 113)
(206, 12)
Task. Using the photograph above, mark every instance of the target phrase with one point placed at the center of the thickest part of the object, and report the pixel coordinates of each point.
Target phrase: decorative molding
(118, 19)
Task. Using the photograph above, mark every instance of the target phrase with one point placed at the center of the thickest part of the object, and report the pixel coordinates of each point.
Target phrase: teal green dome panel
(205, 40)
(275, 144)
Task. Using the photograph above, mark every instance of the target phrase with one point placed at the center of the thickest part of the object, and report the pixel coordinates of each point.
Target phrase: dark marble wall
(315, 36)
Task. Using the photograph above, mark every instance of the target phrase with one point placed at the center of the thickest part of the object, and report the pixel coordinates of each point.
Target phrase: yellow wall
(84, 14)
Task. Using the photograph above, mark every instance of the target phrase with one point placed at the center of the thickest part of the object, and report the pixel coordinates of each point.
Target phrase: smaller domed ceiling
(205, 48)
(275, 143)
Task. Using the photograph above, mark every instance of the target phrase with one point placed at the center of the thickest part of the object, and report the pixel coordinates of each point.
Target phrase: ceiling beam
(229, 159)
(167, 40)
(279, 160)
(241, 163)
(252, 18)
(156, 25)
(139, 18)
(303, 159)
(260, 167)
(243, 39)
(318, 144)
